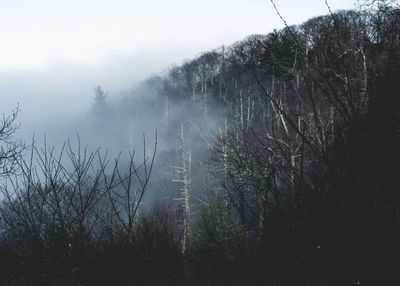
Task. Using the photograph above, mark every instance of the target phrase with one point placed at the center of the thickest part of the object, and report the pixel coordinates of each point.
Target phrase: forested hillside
(275, 162)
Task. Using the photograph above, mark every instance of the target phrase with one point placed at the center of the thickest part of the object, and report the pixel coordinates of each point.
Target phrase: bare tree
(125, 190)
(74, 191)
(184, 198)
(10, 148)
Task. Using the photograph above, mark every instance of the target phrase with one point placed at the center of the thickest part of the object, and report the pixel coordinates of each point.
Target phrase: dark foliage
(302, 182)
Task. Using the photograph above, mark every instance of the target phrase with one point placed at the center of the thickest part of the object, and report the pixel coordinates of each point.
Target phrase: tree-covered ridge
(297, 182)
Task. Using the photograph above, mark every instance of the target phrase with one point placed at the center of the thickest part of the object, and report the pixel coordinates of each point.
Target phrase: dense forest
(274, 161)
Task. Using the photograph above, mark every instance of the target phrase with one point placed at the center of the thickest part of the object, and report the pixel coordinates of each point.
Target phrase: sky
(53, 52)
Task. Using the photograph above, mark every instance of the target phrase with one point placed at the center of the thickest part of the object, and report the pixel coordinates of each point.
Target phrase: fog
(55, 56)
(54, 52)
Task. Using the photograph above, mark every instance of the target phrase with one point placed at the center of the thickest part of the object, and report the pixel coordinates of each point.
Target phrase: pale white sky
(39, 34)
(53, 52)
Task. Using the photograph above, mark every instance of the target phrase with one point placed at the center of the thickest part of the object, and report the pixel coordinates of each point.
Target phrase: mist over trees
(274, 162)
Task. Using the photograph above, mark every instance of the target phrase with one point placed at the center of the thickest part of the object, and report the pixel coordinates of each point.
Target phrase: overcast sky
(38, 34)
(55, 51)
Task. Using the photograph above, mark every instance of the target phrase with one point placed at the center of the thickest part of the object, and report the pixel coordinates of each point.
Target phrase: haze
(53, 52)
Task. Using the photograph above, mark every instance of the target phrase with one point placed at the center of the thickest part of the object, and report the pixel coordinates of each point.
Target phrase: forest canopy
(283, 171)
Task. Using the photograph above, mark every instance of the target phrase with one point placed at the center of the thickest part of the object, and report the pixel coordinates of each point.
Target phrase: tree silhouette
(100, 104)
